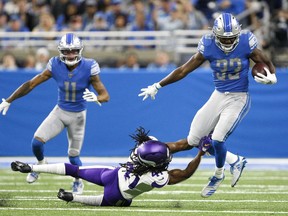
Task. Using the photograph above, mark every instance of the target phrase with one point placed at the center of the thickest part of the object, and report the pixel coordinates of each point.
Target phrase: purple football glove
(205, 143)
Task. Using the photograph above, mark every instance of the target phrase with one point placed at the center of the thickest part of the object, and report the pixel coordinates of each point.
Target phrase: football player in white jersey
(74, 75)
(229, 50)
(145, 170)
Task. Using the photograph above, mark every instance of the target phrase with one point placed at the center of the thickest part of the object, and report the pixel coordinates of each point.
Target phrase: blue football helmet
(153, 154)
(226, 30)
(70, 48)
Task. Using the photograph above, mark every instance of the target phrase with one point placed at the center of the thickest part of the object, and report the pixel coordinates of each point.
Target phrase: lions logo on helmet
(70, 48)
(226, 30)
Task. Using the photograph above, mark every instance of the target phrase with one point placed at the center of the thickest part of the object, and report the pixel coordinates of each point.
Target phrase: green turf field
(257, 193)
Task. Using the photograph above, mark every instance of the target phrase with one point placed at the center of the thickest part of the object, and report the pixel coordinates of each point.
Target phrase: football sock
(50, 168)
(219, 172)
(38, 149)
(88, 200)
(220, 153)
(75, 160)
(231, 158)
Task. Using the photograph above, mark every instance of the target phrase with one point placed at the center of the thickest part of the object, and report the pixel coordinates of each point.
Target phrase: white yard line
(133, 209)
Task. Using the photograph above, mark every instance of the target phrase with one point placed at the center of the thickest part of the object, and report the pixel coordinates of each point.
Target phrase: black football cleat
(63, 195)
(21, 167)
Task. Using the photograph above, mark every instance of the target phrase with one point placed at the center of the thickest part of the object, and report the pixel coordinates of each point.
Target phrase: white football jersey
(132, 185)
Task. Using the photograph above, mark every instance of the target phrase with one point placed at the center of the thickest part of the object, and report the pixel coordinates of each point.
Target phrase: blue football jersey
(230, 70)
(72, 84)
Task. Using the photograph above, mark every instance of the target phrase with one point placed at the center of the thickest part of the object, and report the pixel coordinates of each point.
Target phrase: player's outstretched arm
(24, 89)
(178, 175)
(177, 74)
(180, 145)
(103, 95)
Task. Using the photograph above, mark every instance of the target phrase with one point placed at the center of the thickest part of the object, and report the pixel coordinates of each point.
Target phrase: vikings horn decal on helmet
(226, 30)
(70, 48)
(152, 153)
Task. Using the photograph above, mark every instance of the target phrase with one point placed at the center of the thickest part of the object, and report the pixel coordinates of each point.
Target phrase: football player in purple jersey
(145, 170)
(229, 50)
(74, 75)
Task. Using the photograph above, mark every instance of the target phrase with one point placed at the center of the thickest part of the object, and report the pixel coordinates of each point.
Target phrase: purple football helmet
(152, 153)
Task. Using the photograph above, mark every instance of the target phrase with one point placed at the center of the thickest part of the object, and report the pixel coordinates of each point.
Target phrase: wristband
(158, 86)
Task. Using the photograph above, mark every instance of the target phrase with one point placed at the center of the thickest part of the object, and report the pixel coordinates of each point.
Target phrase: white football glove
(4, 106)
(150, 91)
(90, 97)
(268, 79)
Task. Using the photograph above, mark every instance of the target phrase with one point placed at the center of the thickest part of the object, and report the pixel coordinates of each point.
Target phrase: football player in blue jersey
(145, 170)
(228, 49)
(74, 75)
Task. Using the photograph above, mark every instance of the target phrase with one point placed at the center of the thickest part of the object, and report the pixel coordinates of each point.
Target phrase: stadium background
(261, 134)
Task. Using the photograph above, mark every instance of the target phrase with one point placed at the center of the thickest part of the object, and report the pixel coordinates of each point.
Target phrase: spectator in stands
(64, 19)
(3, 21)
(120, 23)
(29, 62)
(131, 62)
(139, 6)
(140, 24)
(162, 63)
(196, 19)
(42, 57)
(75, 24)
(281, 26)
(89, 13)
(161, 12)
(27, 14)
(46, 23)
(114, 11)
(8, 62)
(234, 7)
(175, 20)
(11, 7)
(99, 23)
(207, 7)
(15, 24)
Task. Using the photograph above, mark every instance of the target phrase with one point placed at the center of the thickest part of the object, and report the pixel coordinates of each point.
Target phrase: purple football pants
(108, 178)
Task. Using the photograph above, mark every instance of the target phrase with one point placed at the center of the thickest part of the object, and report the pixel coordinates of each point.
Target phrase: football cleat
(63, 195)
(33, 176)
(212, 186)
(236, 170)
(77, 187)
(21, 167)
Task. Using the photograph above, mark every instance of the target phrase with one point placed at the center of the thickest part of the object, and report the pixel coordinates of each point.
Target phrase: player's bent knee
(73, 152)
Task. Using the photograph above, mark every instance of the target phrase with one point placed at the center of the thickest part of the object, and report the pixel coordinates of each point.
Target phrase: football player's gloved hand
(205, 143)
(4, 106)
(150, 91)
(90, 97)
(268, 79)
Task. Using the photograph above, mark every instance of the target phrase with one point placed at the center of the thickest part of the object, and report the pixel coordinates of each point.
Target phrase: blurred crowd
(131, 15)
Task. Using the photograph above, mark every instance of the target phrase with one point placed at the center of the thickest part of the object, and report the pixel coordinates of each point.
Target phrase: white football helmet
(70, 48)
(226, 30)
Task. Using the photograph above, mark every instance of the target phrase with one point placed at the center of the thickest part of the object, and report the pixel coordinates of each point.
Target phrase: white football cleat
(236, 170)
(212, 186)
(33, 176)
(77, 187)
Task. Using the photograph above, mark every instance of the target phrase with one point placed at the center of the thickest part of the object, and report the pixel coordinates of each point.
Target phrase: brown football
(259, 68)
